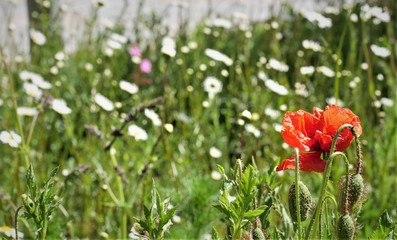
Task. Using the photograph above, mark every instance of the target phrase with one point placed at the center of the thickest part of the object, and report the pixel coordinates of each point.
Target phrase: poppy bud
(345, 228)
(355, 193)
(305, 202)
(258, 234)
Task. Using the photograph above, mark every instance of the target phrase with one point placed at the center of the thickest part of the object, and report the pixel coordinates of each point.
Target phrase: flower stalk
(297, 198)
(121, 199)
(315, 219)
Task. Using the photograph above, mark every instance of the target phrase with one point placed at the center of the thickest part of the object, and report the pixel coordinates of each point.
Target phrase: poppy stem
(346, 193)
(359, 153)
(314, 221)
(297, 203)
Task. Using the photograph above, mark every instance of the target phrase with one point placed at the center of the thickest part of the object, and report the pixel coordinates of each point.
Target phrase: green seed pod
(258, 234)
(345, 228)
(355, 193)
(305, 202)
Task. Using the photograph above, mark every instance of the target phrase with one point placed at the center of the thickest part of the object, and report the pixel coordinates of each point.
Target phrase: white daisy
(314, 17)
(387, 102)
(128, 87)
(312, 45)
(37, 37)
(277, 127)
(168, 47)
(212, 86)
(153, 116)
(380, 51)
(216, 175)
(169, 127)
(10, 138)
(32, 90)
(10, 232)
(277, 65)
(59, 106)
(253, 130)
(215, 152)
(137, 132)
(326, 71)
(247, 114)
(307, 70)
(60, 56)
(103, 102)
(218, 56)
(276, 87)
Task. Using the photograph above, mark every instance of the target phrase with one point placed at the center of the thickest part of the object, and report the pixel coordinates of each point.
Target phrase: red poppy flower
(299, 128)
(308, 162)
(331, 120)
(314, 133)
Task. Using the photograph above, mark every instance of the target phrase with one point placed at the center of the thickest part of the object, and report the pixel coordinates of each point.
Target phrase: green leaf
(222, 209)
(255, 213)
(214, 234)
(146, 212)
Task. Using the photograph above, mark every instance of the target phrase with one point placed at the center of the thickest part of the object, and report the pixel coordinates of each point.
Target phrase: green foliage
(157, 219)
(387, 228)
(40, 202)
(243, 209)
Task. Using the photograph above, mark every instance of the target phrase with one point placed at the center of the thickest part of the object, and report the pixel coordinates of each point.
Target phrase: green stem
(346, 193)
(121, 198)
(314, 220)
(359, 154)
(16, 222)
(43, 231)
(298, 211)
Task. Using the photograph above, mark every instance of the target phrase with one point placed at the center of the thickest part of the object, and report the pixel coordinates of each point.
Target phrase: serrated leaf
(167, 216)
(222, 209)
(146, 213)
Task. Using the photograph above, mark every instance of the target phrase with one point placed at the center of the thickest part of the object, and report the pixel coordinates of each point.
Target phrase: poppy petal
(308, 162)
(298, 129)
(331, 120)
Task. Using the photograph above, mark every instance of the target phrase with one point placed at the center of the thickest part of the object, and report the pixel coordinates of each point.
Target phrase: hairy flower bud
(345, 227)
(305, 202)
(355, 193)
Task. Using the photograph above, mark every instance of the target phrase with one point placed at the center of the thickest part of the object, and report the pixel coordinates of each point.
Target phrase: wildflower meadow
(226, 128)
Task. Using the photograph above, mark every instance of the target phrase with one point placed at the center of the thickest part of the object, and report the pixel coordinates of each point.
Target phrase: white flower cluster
(377, 13)
(380, 51)
(314, 17)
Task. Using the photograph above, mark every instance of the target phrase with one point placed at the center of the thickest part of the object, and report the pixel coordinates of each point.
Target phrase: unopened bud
(345, 228)
(355, 193)
(305, 202)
